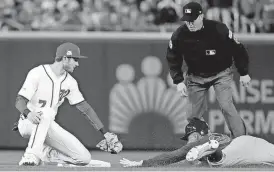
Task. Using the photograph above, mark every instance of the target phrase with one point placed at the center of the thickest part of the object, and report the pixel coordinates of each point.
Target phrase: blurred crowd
(241, 16)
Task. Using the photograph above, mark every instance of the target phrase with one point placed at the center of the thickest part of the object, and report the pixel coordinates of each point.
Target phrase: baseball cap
(69, 50)
(191, 11)
(195, 125)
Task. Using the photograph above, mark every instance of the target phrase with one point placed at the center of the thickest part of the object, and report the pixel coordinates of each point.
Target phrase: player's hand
(35, 117)
(181, 88)
(111, 137)
(127, 163)
(245, 80)
(110, 143)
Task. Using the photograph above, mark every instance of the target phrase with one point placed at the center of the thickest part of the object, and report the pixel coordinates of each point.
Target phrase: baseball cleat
(29, 159)
(202, 150)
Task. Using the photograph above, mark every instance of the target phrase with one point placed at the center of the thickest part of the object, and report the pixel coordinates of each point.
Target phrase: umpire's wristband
(26, 112)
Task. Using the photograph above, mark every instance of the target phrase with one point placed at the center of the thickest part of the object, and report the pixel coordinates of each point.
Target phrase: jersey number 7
(43, 102)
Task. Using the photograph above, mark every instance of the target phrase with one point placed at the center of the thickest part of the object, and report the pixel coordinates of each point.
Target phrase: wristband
(26, 112)
(103, 130)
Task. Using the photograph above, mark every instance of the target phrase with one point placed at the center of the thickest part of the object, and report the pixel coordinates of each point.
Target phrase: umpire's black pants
(197, 92)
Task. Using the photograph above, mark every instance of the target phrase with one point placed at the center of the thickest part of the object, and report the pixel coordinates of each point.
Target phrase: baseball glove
(110, 143)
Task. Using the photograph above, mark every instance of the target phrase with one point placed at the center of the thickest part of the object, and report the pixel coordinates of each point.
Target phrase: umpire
(209, 49)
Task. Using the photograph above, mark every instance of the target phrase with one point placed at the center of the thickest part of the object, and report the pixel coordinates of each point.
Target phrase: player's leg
(263, 152)
(240, 152)
(197, 93)
(203, 150)
(51, 155)
(69, 149)
(25, 128)
(223, 90)
(37, 135)
(67, 144)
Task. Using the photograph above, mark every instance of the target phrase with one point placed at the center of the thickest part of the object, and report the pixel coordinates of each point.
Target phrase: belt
(204, 75)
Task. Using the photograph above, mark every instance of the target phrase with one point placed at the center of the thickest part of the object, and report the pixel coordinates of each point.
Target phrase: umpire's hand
(181, 88)
(245, 80)
(35, 117)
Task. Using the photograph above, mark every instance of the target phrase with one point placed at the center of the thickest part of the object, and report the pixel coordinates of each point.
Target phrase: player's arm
(91, 116)
(110, 143)
(76, 99)
(173, 156)
(180, 154)
(239, 52)
(21, 105)
(174, 59)
(27, 91)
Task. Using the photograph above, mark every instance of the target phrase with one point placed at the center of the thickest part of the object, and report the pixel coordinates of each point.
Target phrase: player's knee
(85, 157)
(25, 128)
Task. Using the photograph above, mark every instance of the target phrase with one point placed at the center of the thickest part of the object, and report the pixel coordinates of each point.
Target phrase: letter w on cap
(188, 11)
(69, 53)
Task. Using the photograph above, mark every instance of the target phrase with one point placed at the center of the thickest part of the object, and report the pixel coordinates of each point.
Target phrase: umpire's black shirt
(206, 52)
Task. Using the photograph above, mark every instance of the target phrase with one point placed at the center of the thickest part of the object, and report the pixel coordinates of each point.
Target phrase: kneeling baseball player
(44, 90)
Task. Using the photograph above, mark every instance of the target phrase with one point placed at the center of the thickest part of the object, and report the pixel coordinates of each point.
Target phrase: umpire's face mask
(196, 24)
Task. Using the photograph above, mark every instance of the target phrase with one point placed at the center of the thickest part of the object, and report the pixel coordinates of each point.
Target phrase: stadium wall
(126, 80)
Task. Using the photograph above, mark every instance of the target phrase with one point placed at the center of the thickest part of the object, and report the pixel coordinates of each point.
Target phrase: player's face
(70, 64)
(196, 24)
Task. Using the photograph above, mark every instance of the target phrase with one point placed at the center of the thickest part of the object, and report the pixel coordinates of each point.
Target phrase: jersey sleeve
(75, 96)
(239, 52)
(174, 58)
(30, 85)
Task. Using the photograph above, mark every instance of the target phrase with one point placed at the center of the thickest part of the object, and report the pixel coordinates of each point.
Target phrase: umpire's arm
(239, 52)
(174, 59)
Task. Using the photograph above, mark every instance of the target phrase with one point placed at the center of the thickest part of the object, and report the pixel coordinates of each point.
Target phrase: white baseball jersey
(43, 89)
(247, 150)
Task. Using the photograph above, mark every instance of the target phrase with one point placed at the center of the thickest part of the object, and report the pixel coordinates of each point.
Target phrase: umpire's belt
(204, 75)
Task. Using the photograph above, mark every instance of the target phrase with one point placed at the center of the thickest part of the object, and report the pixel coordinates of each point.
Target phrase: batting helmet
(195, 125)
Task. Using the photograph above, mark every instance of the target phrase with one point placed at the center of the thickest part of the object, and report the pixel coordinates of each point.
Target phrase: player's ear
(58, 59)
(201, 16)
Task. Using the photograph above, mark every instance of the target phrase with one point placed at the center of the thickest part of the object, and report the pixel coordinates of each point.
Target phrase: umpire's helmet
(195, 125)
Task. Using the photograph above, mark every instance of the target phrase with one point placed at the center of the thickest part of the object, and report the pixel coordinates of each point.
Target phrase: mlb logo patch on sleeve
(210, 52)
